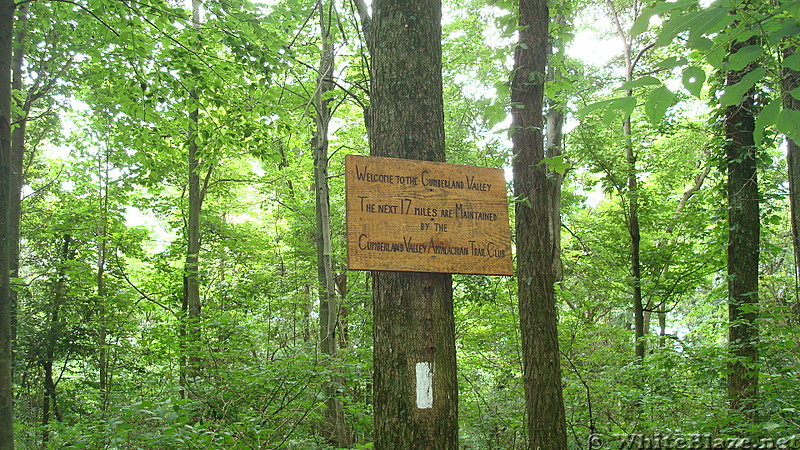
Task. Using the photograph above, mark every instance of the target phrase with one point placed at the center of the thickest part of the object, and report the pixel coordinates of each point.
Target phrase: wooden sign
(422, 216)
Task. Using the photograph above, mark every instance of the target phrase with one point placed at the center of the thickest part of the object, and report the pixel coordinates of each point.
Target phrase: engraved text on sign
(426, 217)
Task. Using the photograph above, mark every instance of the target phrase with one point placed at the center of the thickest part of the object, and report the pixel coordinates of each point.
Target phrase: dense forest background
(169, 291)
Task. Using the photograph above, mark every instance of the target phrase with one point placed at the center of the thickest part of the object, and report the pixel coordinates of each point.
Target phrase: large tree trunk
(535, 275)
(743, 245)
(6, 386)
(415, 391)
(335, 430)
(790, 81)
(17, 154)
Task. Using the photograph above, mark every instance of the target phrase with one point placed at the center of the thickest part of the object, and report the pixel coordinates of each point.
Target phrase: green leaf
(672, 62)
(673, 26)
(703, 44)
(787, 124)
(744, 57)
(709, 21)
(795, 93)
(610, 108)
(792, 8)
(502, 89)
(767, 117)
(788, 29)
(625, 105)
(557, 164)
(643, 21)
(495, 113)
(659, 100)
(792, 61)
(639, 82)
(592, 107)
(716, 55)
(742, 34)
(671, 29)
(693, 80)
(733, 94)
(621, 105)
(771, 112)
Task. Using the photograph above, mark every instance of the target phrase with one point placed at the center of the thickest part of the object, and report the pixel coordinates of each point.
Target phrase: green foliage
(105, 166)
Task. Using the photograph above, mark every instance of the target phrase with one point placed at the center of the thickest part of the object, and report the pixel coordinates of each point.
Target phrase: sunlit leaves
(495, 113)
(640, 82)
(610, 108)
(658, 101)
(693, 78)
(709, 31)
(558, 164)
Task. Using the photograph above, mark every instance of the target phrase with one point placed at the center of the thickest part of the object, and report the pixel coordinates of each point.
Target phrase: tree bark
(632, 219)
(6, 384)
(102, 243)
(336, 431)
(535, 252)
(17, 154)
(743, 245)
(790, 80)
(554, 141)
(50, 400)
(327, 287)
(192, 265)
(415, 386)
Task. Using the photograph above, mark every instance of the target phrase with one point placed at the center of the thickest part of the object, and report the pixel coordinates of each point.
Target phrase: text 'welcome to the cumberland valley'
(426, 217)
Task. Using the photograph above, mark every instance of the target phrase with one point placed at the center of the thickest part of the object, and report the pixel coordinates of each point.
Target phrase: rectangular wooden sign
(423, 216)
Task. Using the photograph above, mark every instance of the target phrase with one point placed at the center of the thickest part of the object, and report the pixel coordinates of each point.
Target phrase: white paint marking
(424, 385)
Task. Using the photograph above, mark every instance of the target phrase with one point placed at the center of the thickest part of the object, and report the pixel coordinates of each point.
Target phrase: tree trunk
(327, 288)
(554, 141)
(632, 218)
(535, 275)
(17, 154)
(6, 384)
(191, 268)
(635, 241)
(415, 386)
(55, 328)
(50, 400)
(790, 80)
(662, 325)
(102, 241)
(743, 245)
(336, 431)
(344, 312)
